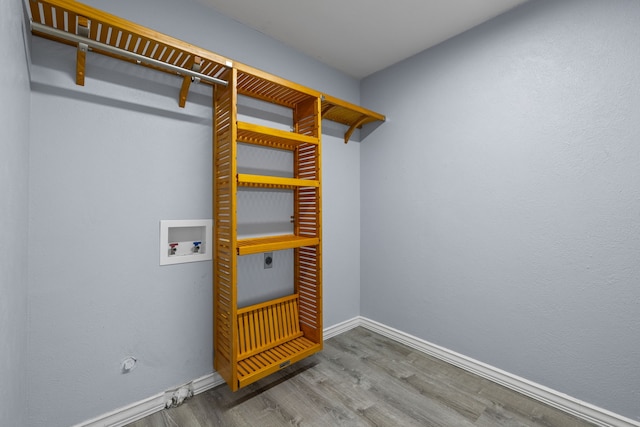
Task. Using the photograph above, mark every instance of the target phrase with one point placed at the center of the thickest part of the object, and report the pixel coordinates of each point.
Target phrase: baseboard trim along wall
(342, 327)
(138, 410)
(601, 417)
(553, 398)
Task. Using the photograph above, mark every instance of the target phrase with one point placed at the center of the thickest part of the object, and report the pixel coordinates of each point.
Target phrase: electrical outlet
(128, 364)
(268, 260)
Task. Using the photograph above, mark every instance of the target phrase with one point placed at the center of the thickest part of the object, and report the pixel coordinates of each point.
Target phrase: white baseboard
(207, 382)
(582, 410)
(127, 414)
(561, 401)
(138, 410)
(341, 327)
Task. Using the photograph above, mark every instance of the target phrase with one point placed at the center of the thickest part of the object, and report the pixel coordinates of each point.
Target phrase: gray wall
(110, 160)
(14, 166)
(501, 200)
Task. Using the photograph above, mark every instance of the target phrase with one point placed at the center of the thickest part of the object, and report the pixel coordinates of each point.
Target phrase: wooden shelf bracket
(348, 114)
(357, 124)
(194, 63)
(81, 55)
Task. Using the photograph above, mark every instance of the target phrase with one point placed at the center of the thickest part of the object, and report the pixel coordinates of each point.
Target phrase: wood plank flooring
(364, 379)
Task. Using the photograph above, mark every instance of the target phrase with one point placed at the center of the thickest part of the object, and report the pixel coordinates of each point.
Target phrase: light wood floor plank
(364, 379)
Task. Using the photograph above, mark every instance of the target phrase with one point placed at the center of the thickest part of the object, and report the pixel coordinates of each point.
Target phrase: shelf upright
(224, 233)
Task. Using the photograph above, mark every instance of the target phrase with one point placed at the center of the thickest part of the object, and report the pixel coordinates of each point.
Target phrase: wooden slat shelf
(266, 325)
(272, 360)
(348, 114)
(267, 87)
(261, 135)
(273, 243)
(263, 181)
(72, 17)
(270, 338)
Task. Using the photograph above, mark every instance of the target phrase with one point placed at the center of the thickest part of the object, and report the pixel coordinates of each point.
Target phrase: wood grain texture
(364, 379)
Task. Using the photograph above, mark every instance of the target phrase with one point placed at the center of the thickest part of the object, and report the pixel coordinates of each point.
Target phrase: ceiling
(361, 37)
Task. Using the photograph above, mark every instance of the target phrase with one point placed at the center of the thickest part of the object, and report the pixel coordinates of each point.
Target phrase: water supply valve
(173, 248)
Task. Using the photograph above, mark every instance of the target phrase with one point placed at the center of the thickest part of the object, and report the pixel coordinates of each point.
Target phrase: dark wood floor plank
(364, 379)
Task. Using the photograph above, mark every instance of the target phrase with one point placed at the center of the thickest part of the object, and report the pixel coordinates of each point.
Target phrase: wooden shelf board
(261, 135)
(270, 338)
(248, 180)
(125, 35)
(263, 364)
(348, 114)
(262, 85)
(273, 243)
(67, 15)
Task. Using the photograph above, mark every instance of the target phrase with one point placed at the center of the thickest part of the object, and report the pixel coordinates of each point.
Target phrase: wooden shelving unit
(294, 323)
(275, 138)
(250, 342)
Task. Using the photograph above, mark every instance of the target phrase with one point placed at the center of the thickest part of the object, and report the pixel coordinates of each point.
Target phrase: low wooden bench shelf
(270, 338)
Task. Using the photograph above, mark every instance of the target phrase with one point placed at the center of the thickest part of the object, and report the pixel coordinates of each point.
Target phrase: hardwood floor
(364, 379)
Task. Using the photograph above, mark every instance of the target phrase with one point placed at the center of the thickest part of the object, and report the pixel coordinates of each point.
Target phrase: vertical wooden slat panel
(124, 37)
(259, 337)
(93, 30)
(241, 338)
(271, 322)
(48, 15)
(308, 221)
(59, 14)
(251, 333)
(35, 11)
(226, 334)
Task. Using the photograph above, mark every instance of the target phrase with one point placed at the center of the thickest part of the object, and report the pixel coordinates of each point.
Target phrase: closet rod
(115, 50)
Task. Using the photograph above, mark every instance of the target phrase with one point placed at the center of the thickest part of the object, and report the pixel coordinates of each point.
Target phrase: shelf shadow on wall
(283, 117)
(369, 128)
(259, 229)
(60, 58)
(117, 103)
(337, 130)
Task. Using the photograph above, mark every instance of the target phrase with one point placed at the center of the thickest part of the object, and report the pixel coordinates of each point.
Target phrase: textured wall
(14, 143)
(501, 200)
(110, 160)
